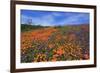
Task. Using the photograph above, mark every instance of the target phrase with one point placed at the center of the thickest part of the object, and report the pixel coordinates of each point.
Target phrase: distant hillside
(25, 27)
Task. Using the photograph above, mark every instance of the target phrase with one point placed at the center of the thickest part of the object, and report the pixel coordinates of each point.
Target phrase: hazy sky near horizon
(54, 18)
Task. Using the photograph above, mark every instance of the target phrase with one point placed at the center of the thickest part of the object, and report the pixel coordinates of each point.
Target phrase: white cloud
(24, 19)
(49, 19)
(73, 19)
(56, 14)
(46, 20)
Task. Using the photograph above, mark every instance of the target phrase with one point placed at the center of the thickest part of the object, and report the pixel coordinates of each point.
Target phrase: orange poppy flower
(60, 51)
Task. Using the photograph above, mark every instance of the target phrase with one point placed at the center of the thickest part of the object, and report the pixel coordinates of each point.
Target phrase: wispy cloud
(56, 14)
(76, 19)
(51, 18)
(44, 20)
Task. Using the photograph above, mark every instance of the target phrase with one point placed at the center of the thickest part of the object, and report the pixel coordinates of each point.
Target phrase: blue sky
(53, 18)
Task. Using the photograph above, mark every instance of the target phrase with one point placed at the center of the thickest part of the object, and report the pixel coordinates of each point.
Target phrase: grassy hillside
(25, 27)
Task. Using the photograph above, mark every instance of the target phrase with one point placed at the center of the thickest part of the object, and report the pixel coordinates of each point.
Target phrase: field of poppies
(59, 43)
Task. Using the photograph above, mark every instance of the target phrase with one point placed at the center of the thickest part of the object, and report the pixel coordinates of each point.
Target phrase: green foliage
(26, 27)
